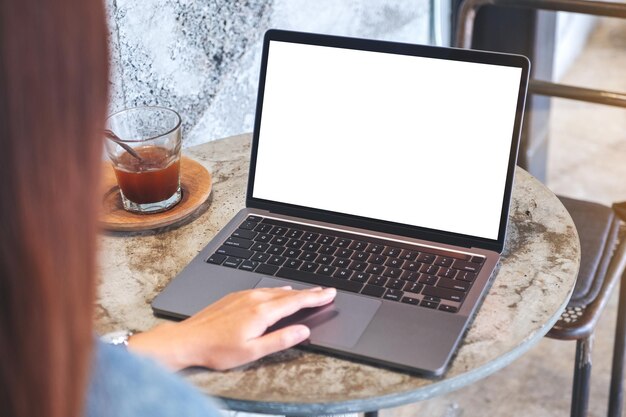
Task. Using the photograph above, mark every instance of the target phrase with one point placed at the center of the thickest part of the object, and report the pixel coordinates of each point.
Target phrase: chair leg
(616, 396)
(582, 374)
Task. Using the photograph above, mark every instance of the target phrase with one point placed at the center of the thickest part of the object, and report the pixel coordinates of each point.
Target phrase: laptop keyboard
(414, 275)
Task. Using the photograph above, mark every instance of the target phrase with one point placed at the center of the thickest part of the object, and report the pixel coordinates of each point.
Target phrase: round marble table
(534, 281)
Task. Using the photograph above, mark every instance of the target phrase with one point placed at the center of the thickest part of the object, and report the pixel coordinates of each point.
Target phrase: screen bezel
(417, 232)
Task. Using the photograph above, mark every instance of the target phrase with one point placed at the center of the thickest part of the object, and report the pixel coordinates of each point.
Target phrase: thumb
(280, 340)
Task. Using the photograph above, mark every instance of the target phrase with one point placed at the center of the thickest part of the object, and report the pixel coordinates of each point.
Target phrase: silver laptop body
(382, 169)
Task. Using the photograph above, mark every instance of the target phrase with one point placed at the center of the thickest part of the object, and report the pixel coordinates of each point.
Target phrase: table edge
(394, 400)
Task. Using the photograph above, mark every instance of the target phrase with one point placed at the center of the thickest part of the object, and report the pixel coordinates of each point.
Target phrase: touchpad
(339, 324)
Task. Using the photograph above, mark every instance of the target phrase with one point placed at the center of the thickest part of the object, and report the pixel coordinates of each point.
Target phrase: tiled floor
(587, 160)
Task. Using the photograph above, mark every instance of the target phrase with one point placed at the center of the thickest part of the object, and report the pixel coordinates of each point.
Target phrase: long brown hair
(53, 93)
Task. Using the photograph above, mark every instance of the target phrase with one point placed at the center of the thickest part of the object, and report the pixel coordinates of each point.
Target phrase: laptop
(384, 170)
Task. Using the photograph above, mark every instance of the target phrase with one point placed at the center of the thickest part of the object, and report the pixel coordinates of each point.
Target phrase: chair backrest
(467, 15)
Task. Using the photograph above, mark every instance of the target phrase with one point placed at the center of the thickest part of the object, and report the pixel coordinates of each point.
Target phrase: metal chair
(603, 254)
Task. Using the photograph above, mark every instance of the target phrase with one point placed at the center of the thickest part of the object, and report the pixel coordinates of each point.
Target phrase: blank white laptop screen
(412, 140)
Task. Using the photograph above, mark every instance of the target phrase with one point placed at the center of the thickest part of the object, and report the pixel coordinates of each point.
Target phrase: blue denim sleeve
(124, 384)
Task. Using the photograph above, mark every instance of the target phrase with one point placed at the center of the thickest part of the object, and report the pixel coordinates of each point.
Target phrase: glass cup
(144, 146)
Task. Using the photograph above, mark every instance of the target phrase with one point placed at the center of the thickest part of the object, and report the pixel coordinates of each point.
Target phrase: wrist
(162, 344)
(117, 338)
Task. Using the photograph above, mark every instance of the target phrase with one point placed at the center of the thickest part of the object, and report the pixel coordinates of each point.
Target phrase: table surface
(534, 280)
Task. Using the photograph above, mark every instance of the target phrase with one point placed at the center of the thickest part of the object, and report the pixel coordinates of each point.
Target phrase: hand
(231, 331)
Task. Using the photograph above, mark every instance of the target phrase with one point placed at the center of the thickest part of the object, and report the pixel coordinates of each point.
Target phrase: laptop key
(249, 265)
(377, 259)
(248, 225)
(343, 243)
(325, 259)
(391, 251)
(426, 258)
(413, 287)
(466, 266)
(428, 279)
(275, 250)
(263, 238)
(478, 259)
(449, 309)
(325, 240)
(279, 230)
(292, 253)
(358, 266)
(261, 257)
(233, 251)
(358, 245)
(395, 284)
(263, 228)
(279, 240)
(409, 255)
(343, 273)
(294, 234)
(453, 284)
(360, 256)
(326, 270)
(260, 247)
(310, 236)
(410, 276)
(466, 276)
(373, 290)
(276, 260)
(412, 266)
(244, 234)
(377, 280)
(216, 259)
(429, 304)
(375, 248)
(238, 243)
(443, 261)
(311, 247)
(342, 262)
(410, 300)
(309, 256)
(232, 262)
(295, 243)
(446, 272)
(327, 250)
(429, 269)
(309, 267)
(375, 269)
(394, 295)
(394, 262)
(322, 280)
(444, 293)
(255, 219)
(393, 272)
(343, 253)
(267, 269)
(360, 277)
(293, 263)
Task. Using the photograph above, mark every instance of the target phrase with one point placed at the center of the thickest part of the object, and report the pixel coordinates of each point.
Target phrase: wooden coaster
(195, 183)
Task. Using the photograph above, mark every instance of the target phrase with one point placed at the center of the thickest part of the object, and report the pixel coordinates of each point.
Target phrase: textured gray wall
(202, 57)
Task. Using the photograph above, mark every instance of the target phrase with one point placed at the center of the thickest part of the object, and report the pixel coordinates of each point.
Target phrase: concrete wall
(202, 57)
(572, 32)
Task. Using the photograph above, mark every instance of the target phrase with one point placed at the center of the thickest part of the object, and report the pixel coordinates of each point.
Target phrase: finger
(273, 289)
(276, 309)
(279, 340)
